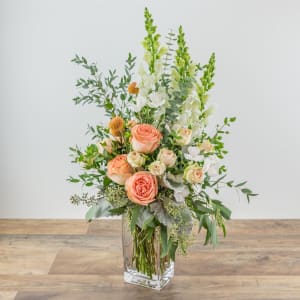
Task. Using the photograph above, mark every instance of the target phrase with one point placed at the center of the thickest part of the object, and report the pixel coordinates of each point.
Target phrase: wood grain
(70, 259)
(8, 295)
(36, 226)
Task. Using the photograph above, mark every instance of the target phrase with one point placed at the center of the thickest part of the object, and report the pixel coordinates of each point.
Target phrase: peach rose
(145, 138)
(119, 170)
(141, 188)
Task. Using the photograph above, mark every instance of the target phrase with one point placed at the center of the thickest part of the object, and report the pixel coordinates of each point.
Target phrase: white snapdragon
(193, 154)
(140, 103)
(156, 99)
(211, 165)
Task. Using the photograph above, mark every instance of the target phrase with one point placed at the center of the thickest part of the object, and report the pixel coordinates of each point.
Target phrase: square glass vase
(143, 264)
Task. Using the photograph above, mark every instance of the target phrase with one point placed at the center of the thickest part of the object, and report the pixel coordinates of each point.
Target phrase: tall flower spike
(151, 42)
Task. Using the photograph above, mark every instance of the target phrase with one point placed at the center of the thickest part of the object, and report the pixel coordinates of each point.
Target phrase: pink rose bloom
(145, 138)
(141, 187)
(119, 170)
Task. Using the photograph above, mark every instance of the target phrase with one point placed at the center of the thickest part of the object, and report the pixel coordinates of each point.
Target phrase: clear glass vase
(143, 264)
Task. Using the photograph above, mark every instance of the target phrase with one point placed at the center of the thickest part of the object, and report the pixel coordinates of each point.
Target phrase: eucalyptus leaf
(160, 213)
(101, 209)
(144, 218)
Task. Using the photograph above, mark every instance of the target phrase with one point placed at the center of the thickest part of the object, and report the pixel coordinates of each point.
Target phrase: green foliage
(109, 92)
(84, 199)
(168, 59)
(101, 209)
(217, 138)
(116, 195)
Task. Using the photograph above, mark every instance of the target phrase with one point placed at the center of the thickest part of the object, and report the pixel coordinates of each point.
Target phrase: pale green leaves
(101, 209)
(160, 213)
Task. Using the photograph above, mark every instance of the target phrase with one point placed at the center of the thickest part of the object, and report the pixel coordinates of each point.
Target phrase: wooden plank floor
(70, 259)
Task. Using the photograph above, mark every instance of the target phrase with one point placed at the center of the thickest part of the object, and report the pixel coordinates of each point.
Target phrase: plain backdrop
(257, 46)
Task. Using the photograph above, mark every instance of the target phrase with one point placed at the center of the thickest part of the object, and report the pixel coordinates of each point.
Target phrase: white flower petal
(193, 150)
(197, 188)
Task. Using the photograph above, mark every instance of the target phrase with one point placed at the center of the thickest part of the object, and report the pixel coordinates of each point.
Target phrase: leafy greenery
(109, 92)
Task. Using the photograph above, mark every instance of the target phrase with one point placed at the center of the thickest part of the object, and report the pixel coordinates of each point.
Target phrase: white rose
(135, 159)
(168, 157)
(185, 136)
(157, 168)
(194, 174)
(206, 146)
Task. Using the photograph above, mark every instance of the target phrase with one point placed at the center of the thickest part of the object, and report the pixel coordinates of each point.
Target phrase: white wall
(257, 44)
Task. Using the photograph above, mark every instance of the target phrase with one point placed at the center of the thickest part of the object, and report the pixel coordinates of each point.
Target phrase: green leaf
(117, 211)
(164, 240)
(225, 211)
(134, 217)
(241, 184)
(230, 183)
(160, 213)
(217, 181)
(101, 209)
(106, 181)
(74, 180)
(144, 218)
(246, 191)
(201, 219)
(224, 229)
(173, 249)
(148, 223)
(214, 237)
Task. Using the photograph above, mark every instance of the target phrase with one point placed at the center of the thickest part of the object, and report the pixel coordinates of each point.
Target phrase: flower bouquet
(155, 163)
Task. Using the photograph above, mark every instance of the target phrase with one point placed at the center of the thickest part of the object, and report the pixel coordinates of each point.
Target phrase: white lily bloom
(156, 100)
(158, 65)
(148, 82)
(141, 70)
(211, 165)
(197, 129)
(140, 103)
(143, 91)
(193, 154)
